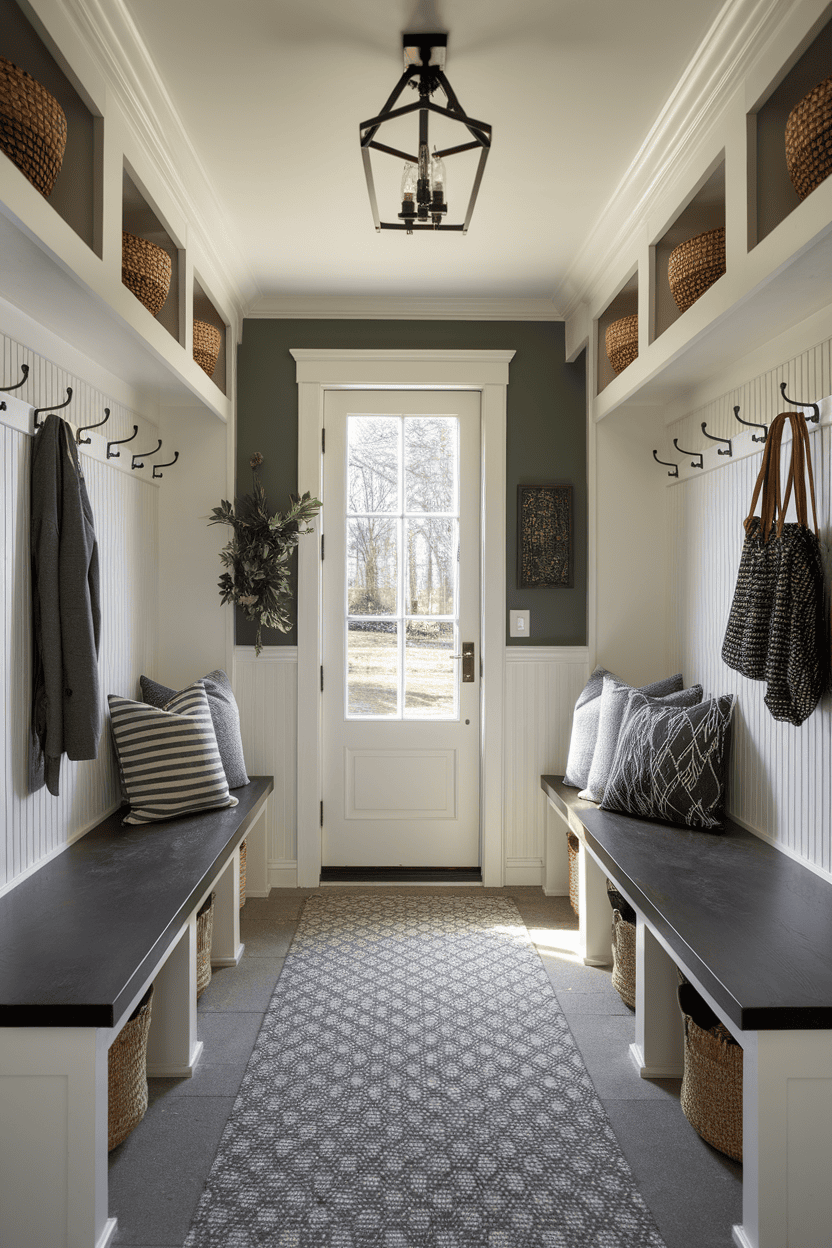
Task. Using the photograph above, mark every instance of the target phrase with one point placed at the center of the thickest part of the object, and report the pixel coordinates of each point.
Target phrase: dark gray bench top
(79, 937)
(753, 925)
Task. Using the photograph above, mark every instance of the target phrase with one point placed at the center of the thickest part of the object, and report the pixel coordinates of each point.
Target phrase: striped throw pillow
(169, 760)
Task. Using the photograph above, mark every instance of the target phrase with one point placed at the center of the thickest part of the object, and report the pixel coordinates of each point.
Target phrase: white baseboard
(523, 871)
(556, 892)
(230, 961)
(653, 1072)
(177, 1072)
(283, 874)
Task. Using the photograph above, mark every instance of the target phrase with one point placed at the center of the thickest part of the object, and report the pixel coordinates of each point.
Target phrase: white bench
(81, 940)
(752, 929)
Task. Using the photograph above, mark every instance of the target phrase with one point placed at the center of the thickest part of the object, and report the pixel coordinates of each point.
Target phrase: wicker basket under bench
(83, 939)
(750, 928)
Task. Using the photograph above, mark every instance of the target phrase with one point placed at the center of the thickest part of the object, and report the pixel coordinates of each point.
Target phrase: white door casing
(487, 371)
(401, 728)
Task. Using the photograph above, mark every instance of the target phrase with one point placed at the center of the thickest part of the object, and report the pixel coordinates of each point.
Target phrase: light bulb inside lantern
(439, 204)
(409, 176)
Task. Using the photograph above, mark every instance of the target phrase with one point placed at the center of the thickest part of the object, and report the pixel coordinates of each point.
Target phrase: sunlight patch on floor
(557, 942)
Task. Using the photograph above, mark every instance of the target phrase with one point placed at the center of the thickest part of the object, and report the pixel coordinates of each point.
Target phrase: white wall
(780, 777)
(125, 509)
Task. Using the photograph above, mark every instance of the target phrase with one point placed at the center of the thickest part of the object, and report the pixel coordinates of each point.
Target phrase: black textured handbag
(776, 630)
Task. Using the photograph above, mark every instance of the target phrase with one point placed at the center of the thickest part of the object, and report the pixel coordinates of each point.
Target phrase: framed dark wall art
(544, 536)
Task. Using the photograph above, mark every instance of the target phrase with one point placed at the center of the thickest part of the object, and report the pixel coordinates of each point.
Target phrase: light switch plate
(518, 623)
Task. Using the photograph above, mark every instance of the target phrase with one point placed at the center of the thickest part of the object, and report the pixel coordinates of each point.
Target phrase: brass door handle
(467, 657)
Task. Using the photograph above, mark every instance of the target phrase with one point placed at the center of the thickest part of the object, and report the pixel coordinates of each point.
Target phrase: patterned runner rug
(415, 1085)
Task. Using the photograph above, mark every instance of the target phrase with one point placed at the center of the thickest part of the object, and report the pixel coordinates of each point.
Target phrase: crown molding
(737, 36)
(117, 48)
(386, 308)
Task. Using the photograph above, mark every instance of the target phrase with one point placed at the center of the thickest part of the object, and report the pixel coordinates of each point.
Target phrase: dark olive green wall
(546, 438)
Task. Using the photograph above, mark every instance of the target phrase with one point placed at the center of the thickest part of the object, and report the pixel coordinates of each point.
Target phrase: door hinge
(322, 678)
(322, 814)
(322, 548)
(323, 441)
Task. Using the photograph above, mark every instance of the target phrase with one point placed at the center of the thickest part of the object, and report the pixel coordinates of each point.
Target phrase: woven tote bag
(776, 630)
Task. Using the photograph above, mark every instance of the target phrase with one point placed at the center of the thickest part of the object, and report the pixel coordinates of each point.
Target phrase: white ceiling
(271, 94)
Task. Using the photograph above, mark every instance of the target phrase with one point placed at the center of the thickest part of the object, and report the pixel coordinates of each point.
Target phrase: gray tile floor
(157, 1174)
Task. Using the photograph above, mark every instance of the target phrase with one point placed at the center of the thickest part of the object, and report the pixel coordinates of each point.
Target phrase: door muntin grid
(402, 567)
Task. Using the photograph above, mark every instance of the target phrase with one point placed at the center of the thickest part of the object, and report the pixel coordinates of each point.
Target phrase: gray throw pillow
(225, 716)
(670, 762)
(585, 723)
(610, 719)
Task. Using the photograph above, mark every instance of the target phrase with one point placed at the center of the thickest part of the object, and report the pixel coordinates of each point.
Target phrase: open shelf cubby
(704, 211)
(625, 303)
(771, 194)
(139, 218)
(204, 310)
(76, 195)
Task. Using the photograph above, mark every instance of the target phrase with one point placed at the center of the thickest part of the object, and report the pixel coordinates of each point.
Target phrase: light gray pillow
(614, 696)
(224, 714)
(585, 722)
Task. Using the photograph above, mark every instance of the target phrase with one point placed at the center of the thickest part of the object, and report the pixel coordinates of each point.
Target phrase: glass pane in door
(402, 566)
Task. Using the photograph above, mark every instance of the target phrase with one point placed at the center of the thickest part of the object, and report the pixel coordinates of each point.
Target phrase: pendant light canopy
(424, 203)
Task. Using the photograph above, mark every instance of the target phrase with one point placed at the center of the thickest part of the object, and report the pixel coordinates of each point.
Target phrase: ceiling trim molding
(114, 42)
(737, 36)
(384, 308)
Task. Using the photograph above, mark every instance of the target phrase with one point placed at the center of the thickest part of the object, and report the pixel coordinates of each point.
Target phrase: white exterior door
(401, 597)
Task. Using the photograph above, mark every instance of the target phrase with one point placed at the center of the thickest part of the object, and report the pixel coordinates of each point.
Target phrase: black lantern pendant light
(423, 186)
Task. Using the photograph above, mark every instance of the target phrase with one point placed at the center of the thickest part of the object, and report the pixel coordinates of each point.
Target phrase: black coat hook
(814, 418)
(24, 368)
(86, 441)
(752, 424)
(675, 467)
(56, 408)
(727, 441)
(141, 454)
(693, 462)
(120, 442)
(156, 467)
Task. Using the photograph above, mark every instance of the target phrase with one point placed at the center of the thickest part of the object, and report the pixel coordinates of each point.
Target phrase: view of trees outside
(402, 564)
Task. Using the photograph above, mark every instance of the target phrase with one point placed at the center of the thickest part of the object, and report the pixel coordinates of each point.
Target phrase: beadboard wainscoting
(542, 684)
(266, 689)
(779, 777)
(36, 826)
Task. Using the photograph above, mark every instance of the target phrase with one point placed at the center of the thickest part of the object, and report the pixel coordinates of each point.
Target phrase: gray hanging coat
(66, 615)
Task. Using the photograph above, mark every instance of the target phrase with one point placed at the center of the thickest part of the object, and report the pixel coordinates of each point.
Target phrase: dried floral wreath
(259, 554)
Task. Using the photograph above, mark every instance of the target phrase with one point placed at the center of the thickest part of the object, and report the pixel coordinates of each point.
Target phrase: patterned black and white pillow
(585, 722)
(670, 763)
(169, 760)
(225, 717)
(614, 706)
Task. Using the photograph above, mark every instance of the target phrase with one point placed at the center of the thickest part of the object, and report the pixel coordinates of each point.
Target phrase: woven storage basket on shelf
(621, 341)
(243, 856)
(127, 1074)
(146, 270)
(809, 139)
(572, 847)
(204, 932)
(206, 346)
(624, 958)
(695, 265)
(32, 126)
(712, 1086)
